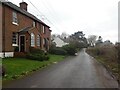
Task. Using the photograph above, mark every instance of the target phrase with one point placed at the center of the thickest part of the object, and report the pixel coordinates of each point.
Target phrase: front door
(22, 43)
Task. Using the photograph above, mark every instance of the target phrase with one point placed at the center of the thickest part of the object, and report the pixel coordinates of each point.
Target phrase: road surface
(80, 71)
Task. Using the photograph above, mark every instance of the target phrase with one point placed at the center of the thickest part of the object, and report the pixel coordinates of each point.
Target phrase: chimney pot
(23, 5)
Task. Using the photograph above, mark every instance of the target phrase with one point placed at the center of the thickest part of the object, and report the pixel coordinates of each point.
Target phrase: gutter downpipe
(3, 31)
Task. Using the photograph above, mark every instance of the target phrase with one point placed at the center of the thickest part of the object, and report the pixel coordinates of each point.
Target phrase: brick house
(21, 30)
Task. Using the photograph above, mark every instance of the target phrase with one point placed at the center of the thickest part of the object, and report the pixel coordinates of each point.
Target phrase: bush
(37, 57)
(107, 52)
(71, 50)
(97, 51)
(3, 70)
(117, 47)
(16, 49)
(36, 50)
(57, 51)
(107, 55)
(37, 54)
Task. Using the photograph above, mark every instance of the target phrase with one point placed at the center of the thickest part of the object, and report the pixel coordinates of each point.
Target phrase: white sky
(93, 17)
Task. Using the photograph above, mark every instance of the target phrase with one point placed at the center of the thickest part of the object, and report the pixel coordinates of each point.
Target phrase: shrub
(57, 51)
(36, 50)
(37, 57)
(108, 52)
(117, 47)
(109, 56)
(37, 54)
(71, 50)
(16, 49)
(3, 71)
(97, 51)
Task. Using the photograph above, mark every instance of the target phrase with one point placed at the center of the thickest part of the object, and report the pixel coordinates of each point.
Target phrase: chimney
(23, 5)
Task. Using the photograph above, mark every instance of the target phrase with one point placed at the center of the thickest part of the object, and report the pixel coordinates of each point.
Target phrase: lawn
(19, 67)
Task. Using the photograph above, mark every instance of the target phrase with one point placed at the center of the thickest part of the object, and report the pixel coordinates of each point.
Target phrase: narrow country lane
(80, 71)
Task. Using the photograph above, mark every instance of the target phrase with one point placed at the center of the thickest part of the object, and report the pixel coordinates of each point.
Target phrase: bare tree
(64, 35)
(92, 40)
(53, 36)
(99, 41)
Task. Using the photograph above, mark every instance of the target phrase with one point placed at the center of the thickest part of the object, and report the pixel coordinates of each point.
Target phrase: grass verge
(19, 67)
(112, 66)
(109, 62)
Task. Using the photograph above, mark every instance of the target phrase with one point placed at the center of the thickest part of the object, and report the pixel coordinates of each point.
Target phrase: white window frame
(14, 18)
(16, 39)
(38, 40)
(43, 29)
(32, 40)
(34, 24)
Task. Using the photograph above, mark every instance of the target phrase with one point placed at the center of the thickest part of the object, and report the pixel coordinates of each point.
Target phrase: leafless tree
(92, 40)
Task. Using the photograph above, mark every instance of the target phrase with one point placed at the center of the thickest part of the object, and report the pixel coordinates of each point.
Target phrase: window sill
(33, 46)
(15, 45)
(15, 23)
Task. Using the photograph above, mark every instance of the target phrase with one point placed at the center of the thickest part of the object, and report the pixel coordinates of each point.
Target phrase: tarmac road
(80, 71)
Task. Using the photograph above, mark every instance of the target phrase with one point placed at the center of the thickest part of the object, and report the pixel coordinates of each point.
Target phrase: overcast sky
(93, 17)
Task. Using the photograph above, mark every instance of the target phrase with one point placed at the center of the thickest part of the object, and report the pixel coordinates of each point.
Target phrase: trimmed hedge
(37, 54)
(65, 50)
(58, 51)
(38, 57)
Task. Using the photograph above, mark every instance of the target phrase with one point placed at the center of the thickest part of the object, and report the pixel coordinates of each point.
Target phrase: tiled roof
(15, 7)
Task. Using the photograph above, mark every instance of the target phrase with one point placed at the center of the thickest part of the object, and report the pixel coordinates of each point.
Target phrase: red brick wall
(0, 27)
(23, 21)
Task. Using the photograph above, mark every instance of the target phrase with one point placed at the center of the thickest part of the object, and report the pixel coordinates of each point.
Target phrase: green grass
(56, 58)
(19, 67)
(112, 66)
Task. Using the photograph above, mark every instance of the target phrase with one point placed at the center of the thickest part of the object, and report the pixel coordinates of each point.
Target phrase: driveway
(80, 71)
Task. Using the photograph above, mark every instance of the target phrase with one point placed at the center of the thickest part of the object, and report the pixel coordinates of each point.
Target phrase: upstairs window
(14, 39)
(32, 40)
(14, 17)
(43, 29)
(40, 28)
(34, 24)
